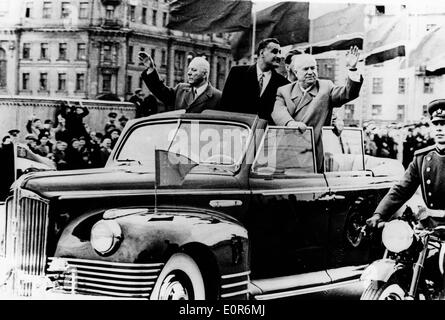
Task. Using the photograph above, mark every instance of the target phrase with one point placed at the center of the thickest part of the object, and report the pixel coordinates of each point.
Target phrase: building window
(144, 15)
(164, 19)
(25, 81)
(141, 82)
(154, 17)
(326, 69)
(402, 85)
(83, 10)
(26, 51)
(163, 58)
(65, 10)
(107, 53)
(61, 86)
(43, 51)
(179, 60)
(43, 82)
(220, 72)
(132, 13)
(80, 82)
(130, 54)
(28, 9)
(2, 68)
(376, 110)
(349, 111)
(425, 110)
(106, 82)
(81, 51)
(142, 49)
(62, 51)
(377, 85)
(46, 10)
(129, 82)
(401, 112)
(109, 12)
(153, 54)
(428, 85)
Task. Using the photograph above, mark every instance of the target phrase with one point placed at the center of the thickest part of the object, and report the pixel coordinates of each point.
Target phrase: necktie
(260, 82)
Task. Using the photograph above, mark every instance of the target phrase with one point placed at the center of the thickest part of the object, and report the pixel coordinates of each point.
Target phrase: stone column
(213, 67)
(170, 63)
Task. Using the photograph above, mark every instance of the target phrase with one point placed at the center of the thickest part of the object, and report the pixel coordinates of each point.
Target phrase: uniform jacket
(426, 170)
(241, 92)
(316, 108)
(179, 97)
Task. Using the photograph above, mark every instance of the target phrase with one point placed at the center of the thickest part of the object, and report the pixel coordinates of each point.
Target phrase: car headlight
(397, 236)
(106, 235)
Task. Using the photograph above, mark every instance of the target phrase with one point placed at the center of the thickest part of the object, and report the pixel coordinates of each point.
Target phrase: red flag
(210, 16)
(171, 168)
(286, 21)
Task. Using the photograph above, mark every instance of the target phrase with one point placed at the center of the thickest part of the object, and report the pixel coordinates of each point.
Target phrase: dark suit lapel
(253, 78)
(207, 94)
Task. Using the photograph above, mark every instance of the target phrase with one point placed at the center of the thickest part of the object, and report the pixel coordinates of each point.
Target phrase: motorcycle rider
(425, 170)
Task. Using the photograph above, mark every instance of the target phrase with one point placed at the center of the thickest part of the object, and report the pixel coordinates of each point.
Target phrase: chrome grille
(26, 235)
(130, 280)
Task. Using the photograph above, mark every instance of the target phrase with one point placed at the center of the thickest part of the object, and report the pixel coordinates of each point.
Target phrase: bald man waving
(194, 96)
(309, 101)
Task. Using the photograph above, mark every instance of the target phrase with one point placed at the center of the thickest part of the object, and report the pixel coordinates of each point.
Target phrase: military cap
(31, 137)
(436, 109)
(123, 118)
(112, 114)
(14, 132)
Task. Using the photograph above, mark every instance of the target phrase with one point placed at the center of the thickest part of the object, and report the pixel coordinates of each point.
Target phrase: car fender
(381, 270)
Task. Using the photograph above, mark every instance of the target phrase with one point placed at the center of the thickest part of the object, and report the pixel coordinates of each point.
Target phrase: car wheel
(383, 291)
(180, 279)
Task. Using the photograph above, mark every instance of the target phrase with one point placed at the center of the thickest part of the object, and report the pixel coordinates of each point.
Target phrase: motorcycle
(412, 267)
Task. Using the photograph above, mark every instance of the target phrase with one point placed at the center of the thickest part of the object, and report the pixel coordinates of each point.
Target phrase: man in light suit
(253, 88)
(195, 96)
(309, 101)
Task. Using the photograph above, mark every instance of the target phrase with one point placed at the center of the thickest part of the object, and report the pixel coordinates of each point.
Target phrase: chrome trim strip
(234, 275)
(236, 284)
(116, 276)
(297, 292)
(79, 283)
(111, 263)
(69, 277)
(117, 270)
(114, 294)
(232, 294)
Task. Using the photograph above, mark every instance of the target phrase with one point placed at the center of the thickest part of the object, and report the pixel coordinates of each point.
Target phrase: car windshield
(203, 142)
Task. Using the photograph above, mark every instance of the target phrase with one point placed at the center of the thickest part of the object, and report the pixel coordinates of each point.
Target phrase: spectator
(45, 147)
(94, 149)
(137, 99)
(60, 131)
(33, 126)
(149, 106)
(6, 140)
(253, 89)
(194, 96)
(114, 136)
(74, 156)
(105, 151)
(111, 123)
(14, 134)
(122, 122)
(47, 129)
(74, 120)
(31, 142)
(60, 156)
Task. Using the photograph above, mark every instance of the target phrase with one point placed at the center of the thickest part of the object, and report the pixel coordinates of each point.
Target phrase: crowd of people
(67, 140)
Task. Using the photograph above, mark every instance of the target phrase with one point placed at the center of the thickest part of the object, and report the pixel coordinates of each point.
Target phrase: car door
(286, 220)
(353, 197)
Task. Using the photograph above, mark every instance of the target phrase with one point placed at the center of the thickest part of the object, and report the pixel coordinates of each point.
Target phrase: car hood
(119, 179)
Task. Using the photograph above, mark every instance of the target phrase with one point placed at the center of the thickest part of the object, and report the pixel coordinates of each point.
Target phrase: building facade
(89, 48)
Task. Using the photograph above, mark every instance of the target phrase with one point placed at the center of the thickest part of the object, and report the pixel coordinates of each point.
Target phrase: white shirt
(266, 77)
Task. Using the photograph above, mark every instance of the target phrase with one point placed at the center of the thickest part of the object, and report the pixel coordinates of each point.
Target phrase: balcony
(111, 23)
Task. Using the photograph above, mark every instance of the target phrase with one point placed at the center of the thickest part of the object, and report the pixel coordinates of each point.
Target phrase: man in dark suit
(252, 89)
(426, 170)
(309, 101)
(195, 96)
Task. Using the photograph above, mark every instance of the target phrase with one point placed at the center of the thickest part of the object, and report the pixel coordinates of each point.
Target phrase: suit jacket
(425, 170)
(179, 97)
(241, 92)
(315, 110)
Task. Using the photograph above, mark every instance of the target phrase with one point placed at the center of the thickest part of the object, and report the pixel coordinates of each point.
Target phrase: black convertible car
(210, 206)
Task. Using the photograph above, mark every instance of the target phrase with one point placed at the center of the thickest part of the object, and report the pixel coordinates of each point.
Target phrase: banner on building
(429, 51)
(210, 16)
(286, 21)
